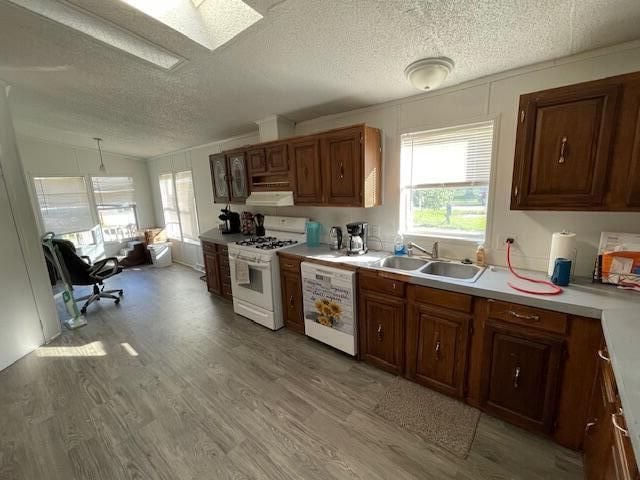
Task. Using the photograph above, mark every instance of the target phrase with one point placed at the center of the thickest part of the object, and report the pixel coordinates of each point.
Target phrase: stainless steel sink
(402, 263)
(458, 271)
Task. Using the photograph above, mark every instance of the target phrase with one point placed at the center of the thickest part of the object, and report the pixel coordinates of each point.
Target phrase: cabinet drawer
(222, 249)
(383, 285)
(291, 264)
(209, 248)
(623, 459)
(608, 380)
(440, 298)
(540, 319)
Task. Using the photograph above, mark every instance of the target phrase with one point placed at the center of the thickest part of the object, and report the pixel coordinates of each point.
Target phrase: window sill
(445, 239)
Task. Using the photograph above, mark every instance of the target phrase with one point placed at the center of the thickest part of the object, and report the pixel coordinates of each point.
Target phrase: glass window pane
(187, 205)
(64, 204)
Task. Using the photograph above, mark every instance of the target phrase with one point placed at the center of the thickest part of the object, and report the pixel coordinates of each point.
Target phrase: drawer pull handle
(291, 300)
(380, 332)
(563, 150)
(528, 318)
(341, 175)
(516, 378)
(590, 425)
(437, 349)
(604, 357)
(615, 424)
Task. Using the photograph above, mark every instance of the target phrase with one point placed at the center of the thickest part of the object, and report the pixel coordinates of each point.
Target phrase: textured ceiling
(303, 59)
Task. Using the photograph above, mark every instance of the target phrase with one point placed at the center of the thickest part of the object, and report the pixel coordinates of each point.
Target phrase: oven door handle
(261, 266)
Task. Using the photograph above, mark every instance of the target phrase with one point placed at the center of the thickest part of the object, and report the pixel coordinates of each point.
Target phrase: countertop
(214, 236)
(622, 333)
(618, 311)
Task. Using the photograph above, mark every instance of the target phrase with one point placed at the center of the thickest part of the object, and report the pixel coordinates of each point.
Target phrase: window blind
(169, 209)
(453, 156)
(187, 205)
(64, 204)
(113, 191)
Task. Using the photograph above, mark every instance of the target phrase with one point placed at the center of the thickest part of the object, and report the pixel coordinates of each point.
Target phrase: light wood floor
(172, 385)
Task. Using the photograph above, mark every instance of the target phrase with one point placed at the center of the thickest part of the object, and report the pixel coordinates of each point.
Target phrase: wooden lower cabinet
(437, 346)
(291, 284)
(217, 270)
(381, 331)
(521, 373)
(212, 269)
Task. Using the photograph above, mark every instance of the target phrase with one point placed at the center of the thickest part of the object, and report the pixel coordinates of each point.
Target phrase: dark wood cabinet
(217, 271)
(632, 197)
(229, 177)
(564, 146)
(342, 159)
(521, 371)
(437, 346)
(256, 161)
(291, 287)
(305, 158)
(277, 158)
(381, 331)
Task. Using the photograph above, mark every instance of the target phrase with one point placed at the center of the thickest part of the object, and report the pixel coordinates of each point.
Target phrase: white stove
(259, 297)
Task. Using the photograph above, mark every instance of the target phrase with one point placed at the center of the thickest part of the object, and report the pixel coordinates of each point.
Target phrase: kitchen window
(116, 206)
(179, 206)
(63, 204)
(445, 180)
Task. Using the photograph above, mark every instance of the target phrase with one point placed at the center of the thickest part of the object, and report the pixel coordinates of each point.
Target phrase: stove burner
(256, 241)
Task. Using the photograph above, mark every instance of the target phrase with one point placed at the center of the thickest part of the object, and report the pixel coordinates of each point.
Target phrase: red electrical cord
(556, 289)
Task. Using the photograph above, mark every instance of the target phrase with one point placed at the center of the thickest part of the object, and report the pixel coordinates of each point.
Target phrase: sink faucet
(433, 253)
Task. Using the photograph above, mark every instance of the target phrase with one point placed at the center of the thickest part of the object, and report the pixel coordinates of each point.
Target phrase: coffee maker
(357, 242)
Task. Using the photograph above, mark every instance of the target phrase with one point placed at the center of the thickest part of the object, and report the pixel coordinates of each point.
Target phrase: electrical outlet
(374, 230)
(502, 240)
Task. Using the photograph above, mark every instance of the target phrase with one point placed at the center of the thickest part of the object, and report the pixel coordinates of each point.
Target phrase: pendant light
(101, 166)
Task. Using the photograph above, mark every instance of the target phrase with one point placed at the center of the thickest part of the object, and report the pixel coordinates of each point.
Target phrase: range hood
(270, 199)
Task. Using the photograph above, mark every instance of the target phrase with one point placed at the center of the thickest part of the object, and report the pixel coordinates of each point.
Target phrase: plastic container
(160, 254)
(398, 245)
(313, 234)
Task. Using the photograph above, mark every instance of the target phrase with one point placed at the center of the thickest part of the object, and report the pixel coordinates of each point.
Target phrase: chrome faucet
(433, 253)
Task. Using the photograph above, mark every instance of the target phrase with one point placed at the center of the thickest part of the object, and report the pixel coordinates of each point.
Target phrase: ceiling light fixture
(102, 30)
(101, 166)
(428, 73)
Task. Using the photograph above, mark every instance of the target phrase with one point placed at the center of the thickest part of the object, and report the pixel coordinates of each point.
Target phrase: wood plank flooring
(172, 384)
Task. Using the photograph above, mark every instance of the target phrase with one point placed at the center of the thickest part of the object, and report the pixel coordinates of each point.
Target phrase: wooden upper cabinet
(564, 146)
(342, 159)
(437, 346)
(632, 197)
(277, 158)
(305, 157)
(238, 180)
(256, 161)
(219, 178)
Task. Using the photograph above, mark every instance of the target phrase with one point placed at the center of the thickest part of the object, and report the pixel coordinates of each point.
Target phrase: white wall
(197, 160)
(28, 316)
(495, 97)
(45, 158)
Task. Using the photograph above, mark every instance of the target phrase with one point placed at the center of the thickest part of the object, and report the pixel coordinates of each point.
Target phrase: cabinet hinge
(522, 115)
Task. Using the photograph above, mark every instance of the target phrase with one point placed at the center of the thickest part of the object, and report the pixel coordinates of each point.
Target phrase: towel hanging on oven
(242, 273)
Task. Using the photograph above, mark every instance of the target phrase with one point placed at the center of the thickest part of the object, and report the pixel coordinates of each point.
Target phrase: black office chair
(80, 271)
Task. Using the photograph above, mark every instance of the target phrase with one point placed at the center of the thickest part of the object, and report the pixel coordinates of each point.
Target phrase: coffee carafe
(335, 234)
(357, 242)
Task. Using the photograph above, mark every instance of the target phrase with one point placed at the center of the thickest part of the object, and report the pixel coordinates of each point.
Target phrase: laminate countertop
(214, 236)
(618, 310)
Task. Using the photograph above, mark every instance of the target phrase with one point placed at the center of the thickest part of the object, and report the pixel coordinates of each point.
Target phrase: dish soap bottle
(398, 245)
(481, 256)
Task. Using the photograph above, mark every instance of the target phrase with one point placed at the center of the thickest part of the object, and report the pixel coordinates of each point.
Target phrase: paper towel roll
(563, 245)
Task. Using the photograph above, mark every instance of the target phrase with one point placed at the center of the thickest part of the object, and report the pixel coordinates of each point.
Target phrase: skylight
(102, 30)
(211, 23)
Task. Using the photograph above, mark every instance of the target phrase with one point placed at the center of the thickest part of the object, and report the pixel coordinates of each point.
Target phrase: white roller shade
(113, 191)
(64, 204)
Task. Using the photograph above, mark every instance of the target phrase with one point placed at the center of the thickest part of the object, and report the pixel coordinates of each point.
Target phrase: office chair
(80, 271)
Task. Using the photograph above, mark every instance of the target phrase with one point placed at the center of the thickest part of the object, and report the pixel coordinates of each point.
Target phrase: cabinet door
(212, 269)
(292, 300)
(563, 147)
(239, 186)
(633, 186)
(305, 155)
(437, 344)
(520, 376)
(256, 161)
(225, 275)
(381, 331)
(277, 158)
(342, 158)
(218, 165)
(598, 438)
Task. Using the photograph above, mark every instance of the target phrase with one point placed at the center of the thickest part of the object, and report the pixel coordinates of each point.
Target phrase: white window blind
(445, 177)
(64, 204)
(113, 191)
(169, 208)
(187, 206)
(453, 156)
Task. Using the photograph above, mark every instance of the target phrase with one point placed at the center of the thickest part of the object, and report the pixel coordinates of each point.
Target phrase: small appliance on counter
(313, 233)
(231, 221)
(335, 234)
(259, 219)
(357, 242)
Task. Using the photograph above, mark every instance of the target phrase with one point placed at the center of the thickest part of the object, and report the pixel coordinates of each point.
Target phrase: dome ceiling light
(428, 73)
